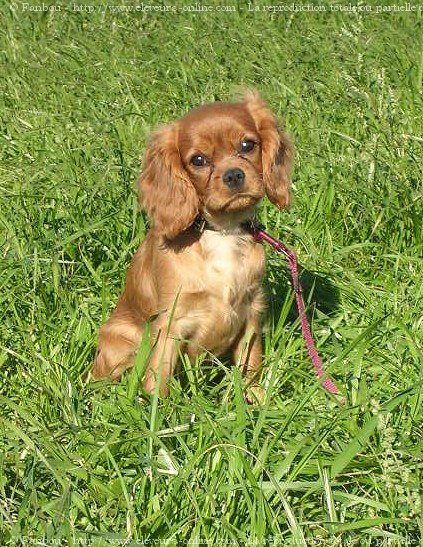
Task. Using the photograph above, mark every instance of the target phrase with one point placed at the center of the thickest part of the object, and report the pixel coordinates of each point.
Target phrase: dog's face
(218, 160)
(221, 152)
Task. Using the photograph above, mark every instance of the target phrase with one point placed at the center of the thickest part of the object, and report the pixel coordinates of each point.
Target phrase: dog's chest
(220, 290)
(228, 269)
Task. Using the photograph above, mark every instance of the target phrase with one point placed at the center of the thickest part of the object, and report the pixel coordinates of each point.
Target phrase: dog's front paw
(255, 395)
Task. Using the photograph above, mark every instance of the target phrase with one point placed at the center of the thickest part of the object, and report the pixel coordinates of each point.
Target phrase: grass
(98, 463)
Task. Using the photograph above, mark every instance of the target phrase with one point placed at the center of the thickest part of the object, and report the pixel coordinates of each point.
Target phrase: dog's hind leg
(118, 341)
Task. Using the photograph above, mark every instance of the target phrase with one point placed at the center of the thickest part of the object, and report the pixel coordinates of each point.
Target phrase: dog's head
(218, 160)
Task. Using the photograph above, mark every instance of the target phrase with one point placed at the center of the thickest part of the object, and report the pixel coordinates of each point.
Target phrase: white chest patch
(226, 269)
(220, 290)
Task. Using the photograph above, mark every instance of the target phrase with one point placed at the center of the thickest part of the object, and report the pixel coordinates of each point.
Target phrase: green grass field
(100, 464)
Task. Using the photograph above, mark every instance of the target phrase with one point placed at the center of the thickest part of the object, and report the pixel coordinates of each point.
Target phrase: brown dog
(197, 275)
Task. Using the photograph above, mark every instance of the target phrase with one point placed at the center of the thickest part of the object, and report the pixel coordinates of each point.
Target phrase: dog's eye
(247, 146)
(198, 160)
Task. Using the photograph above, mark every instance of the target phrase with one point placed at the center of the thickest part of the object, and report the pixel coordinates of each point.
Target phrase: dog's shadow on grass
(319, 292)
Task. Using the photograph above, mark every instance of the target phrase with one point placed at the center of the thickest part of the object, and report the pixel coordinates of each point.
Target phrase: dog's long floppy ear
(166, 192)
(276, 151)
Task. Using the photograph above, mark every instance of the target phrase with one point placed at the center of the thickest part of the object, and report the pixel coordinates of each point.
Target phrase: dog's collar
(201, 224)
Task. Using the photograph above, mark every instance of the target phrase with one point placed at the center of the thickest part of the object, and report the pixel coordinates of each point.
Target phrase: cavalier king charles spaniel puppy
(197, 275)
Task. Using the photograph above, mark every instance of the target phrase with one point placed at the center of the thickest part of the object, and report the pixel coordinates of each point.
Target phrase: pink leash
(260, 235)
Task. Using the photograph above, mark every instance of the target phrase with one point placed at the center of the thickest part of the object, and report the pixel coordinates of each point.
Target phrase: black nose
(234, 178)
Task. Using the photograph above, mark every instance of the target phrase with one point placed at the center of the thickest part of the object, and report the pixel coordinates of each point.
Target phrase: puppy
(197, 275)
